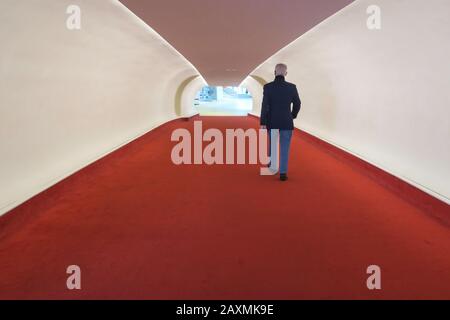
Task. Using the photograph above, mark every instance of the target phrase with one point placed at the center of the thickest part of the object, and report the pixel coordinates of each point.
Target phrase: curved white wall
(382, 95)
(189, 94)
(255, 89)
(69, 97)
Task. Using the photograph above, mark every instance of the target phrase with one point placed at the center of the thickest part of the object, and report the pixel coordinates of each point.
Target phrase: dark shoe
(283, 177)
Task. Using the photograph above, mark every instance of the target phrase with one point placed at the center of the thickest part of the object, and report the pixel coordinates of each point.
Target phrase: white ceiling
(226, 40)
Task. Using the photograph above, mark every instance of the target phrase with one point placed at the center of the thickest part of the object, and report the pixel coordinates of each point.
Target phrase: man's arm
(265, 108)
(296, 104)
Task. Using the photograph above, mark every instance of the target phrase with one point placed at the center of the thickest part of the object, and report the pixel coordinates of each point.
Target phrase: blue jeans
(285, 144)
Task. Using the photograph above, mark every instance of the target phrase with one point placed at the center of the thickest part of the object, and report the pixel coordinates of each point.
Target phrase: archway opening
(223, 101)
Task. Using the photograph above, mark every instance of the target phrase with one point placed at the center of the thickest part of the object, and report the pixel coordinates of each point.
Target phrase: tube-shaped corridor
(97, 95)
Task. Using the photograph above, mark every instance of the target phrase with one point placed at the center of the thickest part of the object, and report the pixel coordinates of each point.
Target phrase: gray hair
(280, 69)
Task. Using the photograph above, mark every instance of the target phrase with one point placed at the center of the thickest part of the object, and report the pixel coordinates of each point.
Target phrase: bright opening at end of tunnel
(223, 101)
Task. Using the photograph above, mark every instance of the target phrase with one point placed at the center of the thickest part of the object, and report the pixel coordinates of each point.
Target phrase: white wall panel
(70, 97)
(382, 95)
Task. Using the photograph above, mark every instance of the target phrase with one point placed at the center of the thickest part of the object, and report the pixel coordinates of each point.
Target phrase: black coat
(276, 111)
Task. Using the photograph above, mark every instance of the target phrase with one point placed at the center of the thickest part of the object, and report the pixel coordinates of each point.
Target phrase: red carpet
(141, 227)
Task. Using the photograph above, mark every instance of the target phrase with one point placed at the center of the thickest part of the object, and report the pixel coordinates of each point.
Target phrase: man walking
(276, 113)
